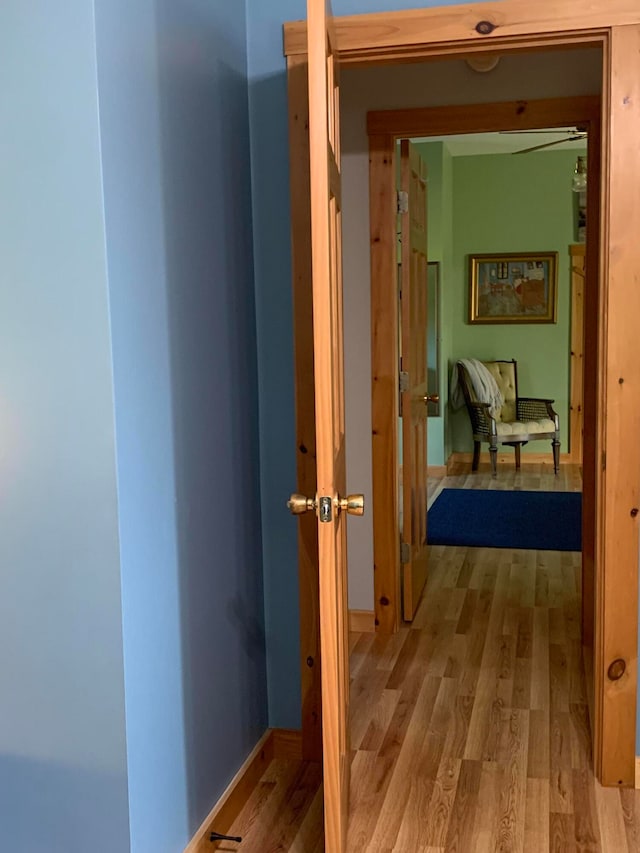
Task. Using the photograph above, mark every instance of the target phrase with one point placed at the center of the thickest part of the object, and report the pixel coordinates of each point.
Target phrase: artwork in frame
(513, 288)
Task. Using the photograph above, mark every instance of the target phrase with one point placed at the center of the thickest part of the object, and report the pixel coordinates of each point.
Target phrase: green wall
(440, 248)
(511, 203)
(499, 203)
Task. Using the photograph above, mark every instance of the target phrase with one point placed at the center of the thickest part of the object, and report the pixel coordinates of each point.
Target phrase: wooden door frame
(518, 25)
(385, 128)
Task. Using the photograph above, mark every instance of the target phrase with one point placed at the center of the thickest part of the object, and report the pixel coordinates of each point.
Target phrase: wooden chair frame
(485, 427)
(610, 317)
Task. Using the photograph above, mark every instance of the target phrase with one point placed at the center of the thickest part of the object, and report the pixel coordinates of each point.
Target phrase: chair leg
(517, 448)
(555, 446)
(493, 452)
(476, 456)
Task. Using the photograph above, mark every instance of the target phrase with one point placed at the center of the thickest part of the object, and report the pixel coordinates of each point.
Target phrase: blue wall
(63, 780)
(272, 248)
(175, 141)
(128, 437)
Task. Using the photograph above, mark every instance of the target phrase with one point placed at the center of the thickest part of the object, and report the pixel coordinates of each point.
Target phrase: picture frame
(513, 288)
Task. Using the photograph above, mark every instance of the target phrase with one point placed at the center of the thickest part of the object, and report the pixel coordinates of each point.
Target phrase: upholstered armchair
(520, 420)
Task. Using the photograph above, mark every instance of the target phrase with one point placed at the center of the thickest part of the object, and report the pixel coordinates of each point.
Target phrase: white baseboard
(507, 457)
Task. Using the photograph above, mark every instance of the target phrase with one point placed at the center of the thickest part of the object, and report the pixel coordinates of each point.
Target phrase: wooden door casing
(413, 323)
(576, 404)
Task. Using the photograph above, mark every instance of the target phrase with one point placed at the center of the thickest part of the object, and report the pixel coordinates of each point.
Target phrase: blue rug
(475, 518)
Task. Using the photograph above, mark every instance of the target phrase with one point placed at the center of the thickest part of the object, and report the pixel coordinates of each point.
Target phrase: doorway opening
(484, 611)
(501, 280)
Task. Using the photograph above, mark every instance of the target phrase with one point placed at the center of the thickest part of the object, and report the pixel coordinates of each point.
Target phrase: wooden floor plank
(470, 727)
(536, 827)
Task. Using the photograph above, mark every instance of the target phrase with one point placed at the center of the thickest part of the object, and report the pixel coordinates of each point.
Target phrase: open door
(329, 502)
(413, 372)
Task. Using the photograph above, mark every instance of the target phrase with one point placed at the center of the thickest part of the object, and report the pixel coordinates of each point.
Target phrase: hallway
(470, 727)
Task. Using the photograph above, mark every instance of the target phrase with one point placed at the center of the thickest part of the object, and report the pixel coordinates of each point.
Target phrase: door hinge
(403, 201)
(405, 553)
(403, 381)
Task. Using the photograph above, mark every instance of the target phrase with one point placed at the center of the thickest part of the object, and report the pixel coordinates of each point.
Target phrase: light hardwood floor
(470, 727)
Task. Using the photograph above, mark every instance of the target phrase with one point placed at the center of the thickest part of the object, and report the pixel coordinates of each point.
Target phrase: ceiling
(468, 144)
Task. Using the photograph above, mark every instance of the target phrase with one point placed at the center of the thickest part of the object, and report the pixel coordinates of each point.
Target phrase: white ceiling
(467, 144)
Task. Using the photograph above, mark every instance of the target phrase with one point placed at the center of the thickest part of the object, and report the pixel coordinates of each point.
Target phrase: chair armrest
(534, 408)
(481, 421)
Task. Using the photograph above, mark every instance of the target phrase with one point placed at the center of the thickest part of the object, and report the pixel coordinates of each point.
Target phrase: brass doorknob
(352, 504)
(432, 398)
(297, 504)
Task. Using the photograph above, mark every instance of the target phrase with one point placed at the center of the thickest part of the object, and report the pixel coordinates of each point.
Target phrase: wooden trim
(576, 404)
(432, 471)
(484, 118)
(237, 793)
(426, 32)
(288, 744)
(384, 382)
(502, 46)
(308, 567)
(436, 471)
(637, 771)
(617, 582)
(362, 621)
(506, 458)
(591, 380)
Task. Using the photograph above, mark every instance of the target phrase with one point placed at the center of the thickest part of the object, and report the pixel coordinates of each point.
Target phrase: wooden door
(413, 344)
(324, 158)
(578, 273)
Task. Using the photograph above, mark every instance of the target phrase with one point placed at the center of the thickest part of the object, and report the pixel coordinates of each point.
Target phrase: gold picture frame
(515, 287)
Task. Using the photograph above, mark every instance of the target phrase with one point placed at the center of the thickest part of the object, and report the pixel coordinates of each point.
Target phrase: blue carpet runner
(483, 518)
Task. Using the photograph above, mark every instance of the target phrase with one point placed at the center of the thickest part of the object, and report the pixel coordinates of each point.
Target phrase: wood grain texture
(576, 404)
(287, 744)
(308, 566)
(384, 382)
(484, 118)
(362, 621)
(505, 459)
(423, 31)
(413, 362)
(326, 260)
(594, 333)
(455, 757)
(237, 795)
(617, 590)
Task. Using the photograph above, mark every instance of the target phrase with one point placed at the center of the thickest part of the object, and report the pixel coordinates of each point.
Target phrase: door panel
(413, 343)
(324, 151)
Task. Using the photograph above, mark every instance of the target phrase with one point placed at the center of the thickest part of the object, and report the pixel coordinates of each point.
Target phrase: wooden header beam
(484, 118)
(418, 32)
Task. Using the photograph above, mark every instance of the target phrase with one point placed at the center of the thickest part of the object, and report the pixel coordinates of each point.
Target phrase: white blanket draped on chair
(485, 387)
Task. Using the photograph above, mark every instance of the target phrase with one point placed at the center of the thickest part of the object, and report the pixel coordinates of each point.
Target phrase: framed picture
(513, 288)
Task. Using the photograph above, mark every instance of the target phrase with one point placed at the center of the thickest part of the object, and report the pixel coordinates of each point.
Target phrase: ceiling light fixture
(483, 62)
